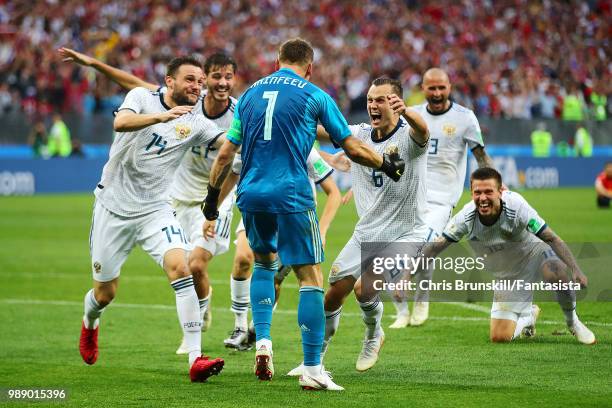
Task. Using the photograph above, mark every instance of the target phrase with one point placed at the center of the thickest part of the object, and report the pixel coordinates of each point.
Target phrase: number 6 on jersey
(271, 97)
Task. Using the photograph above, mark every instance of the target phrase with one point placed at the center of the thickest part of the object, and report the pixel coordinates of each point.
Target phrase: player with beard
(453, 129)
(154, 131)
(186, 191)
(388, 212)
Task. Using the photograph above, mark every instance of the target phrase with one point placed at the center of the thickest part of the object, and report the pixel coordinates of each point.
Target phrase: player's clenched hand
(580, 278)
(396, 104)
(393, 166)
(70, 55)
(208, 229)
(174, 113)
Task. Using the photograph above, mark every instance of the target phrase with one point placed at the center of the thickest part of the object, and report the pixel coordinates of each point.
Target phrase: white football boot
(582, 333)
(321, 382)
(420, 313)
(369, 352)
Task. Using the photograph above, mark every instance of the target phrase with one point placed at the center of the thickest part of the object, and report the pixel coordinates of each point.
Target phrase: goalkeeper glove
(393, 166)
(209, 206)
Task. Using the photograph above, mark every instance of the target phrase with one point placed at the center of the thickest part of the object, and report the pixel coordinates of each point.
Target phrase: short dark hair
(177, 62)
(219, 60)
(396, 85)
(296, 51)
(486, 173)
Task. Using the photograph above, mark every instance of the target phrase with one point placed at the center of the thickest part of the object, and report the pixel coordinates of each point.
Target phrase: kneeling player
(510, 232)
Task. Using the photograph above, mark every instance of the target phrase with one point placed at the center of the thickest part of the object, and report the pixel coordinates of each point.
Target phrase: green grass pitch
(44, 267)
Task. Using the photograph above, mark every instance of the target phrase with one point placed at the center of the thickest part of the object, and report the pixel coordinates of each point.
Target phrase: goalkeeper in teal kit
(275, 123)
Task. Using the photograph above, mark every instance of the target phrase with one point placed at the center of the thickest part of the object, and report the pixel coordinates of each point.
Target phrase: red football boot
(88, 344)
(203, 367)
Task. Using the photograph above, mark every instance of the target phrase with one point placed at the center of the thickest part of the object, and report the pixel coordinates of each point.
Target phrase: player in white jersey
(388, 212)
(516, 244)
(453, 130)
(132, 204)
(319, 172)
(186, 190)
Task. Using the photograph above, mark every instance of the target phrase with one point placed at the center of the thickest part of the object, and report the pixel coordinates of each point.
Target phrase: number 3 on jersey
(433, 146)
(271, 97)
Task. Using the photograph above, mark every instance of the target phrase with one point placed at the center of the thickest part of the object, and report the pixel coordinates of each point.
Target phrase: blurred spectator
(37, 139)
(548, 103)
(541, 141)
(583, 142)
(599, 103)
(77, 148)
(6, 99)
(59, 144)
(573, 105)
(497, 53)
(564, 149)
(603, 186)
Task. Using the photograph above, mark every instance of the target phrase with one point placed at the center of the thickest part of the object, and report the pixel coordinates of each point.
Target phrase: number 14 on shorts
(173, 232)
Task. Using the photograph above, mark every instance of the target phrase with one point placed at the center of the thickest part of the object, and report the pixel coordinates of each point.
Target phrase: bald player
(453, 129)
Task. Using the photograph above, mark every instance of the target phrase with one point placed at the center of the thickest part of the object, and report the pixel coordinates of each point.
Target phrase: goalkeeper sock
(262, 298)
(311, 319)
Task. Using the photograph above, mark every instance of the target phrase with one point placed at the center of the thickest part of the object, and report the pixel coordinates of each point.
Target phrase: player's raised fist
(396, 104)
(393, 166)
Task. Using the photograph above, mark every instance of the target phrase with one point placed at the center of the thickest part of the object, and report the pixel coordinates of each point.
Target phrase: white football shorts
(112, 237)
(191, 218)
(510, 305)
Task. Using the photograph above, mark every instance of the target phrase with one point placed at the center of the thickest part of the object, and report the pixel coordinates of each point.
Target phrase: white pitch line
(161, 278)
(280, 311)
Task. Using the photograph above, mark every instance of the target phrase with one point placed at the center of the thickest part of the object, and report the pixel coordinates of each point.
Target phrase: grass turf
(44, 266)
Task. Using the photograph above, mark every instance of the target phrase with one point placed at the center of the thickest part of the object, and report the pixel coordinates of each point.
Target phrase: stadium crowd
(510, 58)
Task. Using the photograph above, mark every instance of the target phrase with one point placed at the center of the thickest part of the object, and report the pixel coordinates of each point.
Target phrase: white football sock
(372, 312)
(267, 343)
(401, 307)
(332, 321)
(567, 301)
(91, 317)
(313, 371)
(241, 296)
(188, 311)
(421, 295)
(203, 305)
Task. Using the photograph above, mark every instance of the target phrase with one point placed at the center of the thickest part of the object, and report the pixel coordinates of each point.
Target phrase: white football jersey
(451, 134)
(506, 244)
(318, 170)
(191, 178)
(137, 176)
(390, 210)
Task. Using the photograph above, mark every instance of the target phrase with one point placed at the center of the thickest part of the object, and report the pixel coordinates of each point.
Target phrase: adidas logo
(266, 301)
(304, 328)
